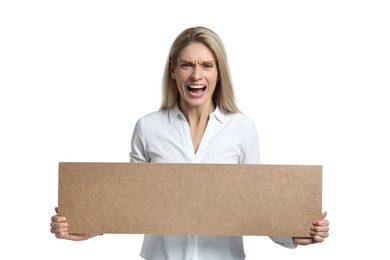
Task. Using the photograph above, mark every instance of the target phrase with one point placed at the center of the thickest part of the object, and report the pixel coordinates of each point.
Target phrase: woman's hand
(59, 227)
(319, 231)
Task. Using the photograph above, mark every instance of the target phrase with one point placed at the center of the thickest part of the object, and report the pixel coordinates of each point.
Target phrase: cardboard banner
(202, 199)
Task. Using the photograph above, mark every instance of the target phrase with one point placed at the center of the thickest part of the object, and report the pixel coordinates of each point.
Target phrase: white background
(314, 76)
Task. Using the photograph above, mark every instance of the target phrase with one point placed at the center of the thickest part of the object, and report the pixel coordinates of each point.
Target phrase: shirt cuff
(284, 241)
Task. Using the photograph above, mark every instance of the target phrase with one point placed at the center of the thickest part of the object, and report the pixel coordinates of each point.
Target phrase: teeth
(196, 86)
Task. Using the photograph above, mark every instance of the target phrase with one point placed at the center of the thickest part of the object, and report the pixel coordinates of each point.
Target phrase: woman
(198, 122)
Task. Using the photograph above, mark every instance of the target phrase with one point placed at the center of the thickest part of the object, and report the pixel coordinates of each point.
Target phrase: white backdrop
(76, 75)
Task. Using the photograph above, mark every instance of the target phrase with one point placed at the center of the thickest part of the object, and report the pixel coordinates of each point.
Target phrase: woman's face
(196, 75)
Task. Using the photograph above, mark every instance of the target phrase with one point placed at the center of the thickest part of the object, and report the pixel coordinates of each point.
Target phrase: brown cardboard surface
(203, 199)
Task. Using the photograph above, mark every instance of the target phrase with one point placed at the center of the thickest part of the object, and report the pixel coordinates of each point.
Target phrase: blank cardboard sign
(202, 199)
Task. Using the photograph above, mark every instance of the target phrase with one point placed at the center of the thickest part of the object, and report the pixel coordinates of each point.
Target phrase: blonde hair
(223, 94)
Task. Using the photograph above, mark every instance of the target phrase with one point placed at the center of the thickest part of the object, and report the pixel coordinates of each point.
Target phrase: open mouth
(196, 89)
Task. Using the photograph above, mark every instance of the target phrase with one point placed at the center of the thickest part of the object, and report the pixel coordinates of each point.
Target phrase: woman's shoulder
(149, 123)
(238, 117)
(152, 116)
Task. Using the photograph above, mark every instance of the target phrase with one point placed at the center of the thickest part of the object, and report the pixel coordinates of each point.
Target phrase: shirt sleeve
(252, 156)
(251, 153)
(284, 241)
(138, 152)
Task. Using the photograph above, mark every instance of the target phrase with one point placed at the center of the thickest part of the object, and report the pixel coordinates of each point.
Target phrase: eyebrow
(190, 61)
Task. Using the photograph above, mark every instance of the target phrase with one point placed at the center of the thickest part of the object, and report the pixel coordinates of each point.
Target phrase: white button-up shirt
(164, 137)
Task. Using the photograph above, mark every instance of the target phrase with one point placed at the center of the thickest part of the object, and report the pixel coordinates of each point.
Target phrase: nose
(196, 73)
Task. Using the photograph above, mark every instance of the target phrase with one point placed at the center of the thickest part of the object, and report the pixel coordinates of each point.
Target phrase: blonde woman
(198, 122)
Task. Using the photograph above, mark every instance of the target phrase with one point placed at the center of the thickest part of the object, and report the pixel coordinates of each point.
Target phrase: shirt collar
(175, 113)
(219, 115)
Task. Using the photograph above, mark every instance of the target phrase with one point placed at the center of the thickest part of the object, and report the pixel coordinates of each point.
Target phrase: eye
(186, 65)
(208, 65)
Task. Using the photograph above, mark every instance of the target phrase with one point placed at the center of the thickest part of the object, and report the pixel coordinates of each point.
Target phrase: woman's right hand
(59, 227)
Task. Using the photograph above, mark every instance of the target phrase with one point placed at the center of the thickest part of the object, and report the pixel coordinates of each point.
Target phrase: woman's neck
(197, 115)
(197, 118)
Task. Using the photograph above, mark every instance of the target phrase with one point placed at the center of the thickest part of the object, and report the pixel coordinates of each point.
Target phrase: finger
(57, 218)
(321, 221)
(323, 234)
(56, 209)
(78, 237)
(320, 228)
(62, 235)
(58, 230)
(318, 239)
(320, 224)
(58, 224)
(302, 240)
(323, 215)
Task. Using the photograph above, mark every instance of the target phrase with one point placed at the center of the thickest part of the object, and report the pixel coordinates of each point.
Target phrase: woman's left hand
(319, 231)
